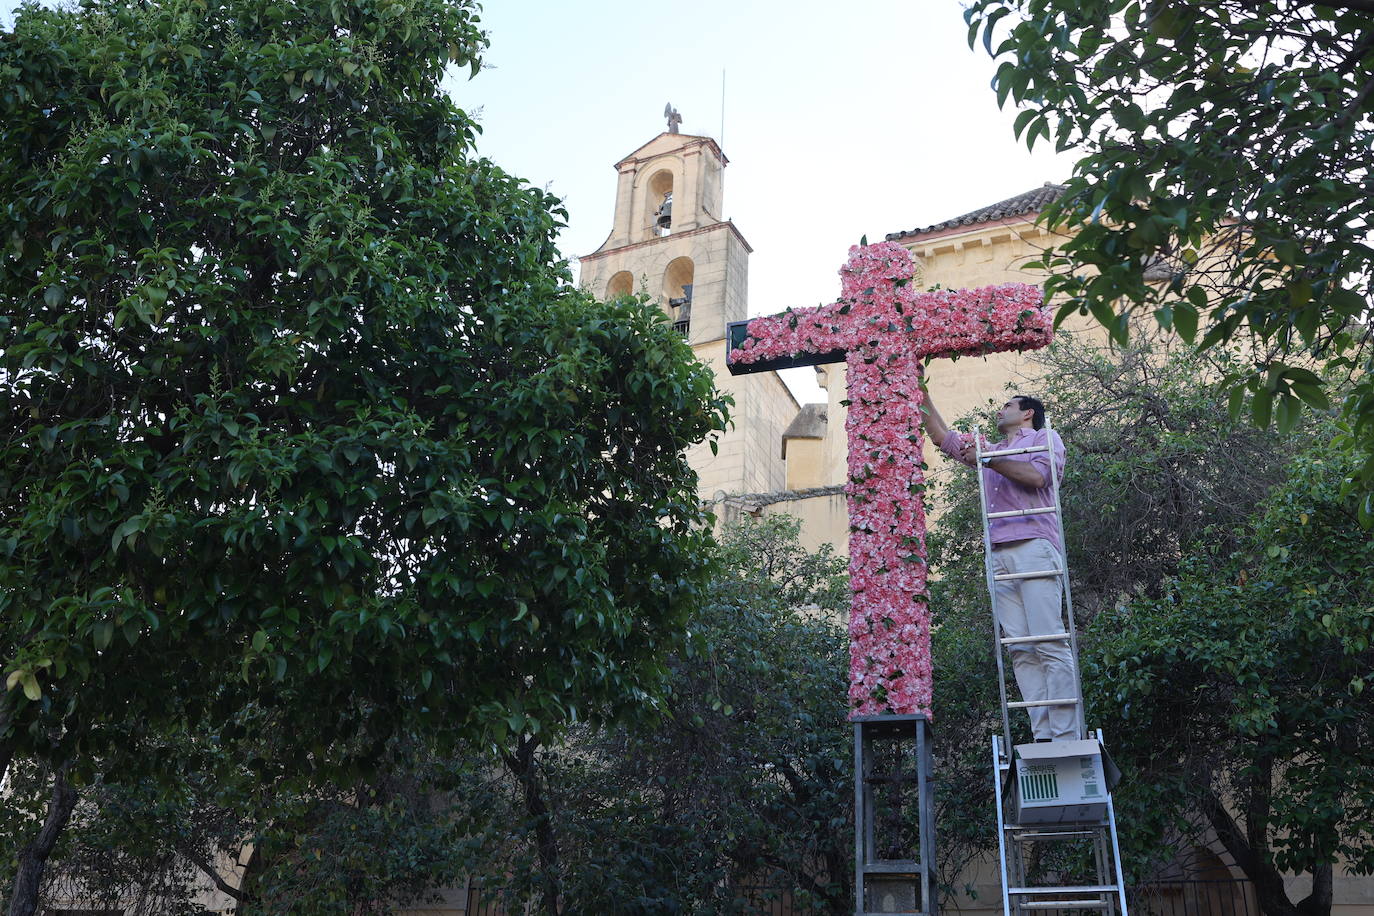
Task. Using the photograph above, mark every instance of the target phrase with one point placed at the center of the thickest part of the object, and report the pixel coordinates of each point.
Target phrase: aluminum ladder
(1022, 847)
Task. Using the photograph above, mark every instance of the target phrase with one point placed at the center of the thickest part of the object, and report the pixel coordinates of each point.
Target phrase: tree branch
(1318, 903)
(1268, 882)
(213, 874)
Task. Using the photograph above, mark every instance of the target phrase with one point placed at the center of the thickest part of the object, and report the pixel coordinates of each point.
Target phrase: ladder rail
(999, 751)
(1055, 474)
(991, 584)
(1116, 845)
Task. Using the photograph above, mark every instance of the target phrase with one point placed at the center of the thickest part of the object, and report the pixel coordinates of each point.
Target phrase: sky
(839, 121)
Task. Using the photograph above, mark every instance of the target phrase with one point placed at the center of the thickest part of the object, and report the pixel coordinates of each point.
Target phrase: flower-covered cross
(883, 328)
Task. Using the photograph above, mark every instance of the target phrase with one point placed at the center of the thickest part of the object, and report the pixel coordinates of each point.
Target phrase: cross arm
(974, 322)
(741, 361)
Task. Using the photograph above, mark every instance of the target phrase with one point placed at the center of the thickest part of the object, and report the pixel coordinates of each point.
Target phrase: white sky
(839, 120)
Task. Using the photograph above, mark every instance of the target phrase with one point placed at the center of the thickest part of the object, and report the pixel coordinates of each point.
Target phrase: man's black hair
(1026, 402)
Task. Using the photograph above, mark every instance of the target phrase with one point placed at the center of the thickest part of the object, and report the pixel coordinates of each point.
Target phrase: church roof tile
(1032, 201)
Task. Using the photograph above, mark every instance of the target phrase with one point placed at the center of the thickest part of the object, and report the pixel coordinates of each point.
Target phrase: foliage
(369, 847)
(1223, 183)
(743, 786)
(1158, 464)
(735, 787)
(1154, 466)
(1237, 700)
(301, 421)
(299, 406)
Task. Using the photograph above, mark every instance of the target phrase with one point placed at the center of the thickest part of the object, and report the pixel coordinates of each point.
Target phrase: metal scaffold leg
(894, 817)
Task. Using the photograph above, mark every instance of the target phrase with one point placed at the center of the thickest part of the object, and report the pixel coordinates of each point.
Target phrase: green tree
(731, 788)
(1237, 702)
(738, 788)
(394, 837)
(300, 413)
(1222, 185)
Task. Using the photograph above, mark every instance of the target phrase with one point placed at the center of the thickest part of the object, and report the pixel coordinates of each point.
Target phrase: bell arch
(660, 202)
(620, 284)
(660, 183)
(678, 278)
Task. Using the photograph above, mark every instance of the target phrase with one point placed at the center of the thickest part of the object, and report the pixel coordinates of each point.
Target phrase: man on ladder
(1028, 606)
(1058, 791)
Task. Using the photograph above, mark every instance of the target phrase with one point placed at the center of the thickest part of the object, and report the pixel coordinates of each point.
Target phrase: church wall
(824, 518)
(773, 409)
(747, 455)
(805, 463)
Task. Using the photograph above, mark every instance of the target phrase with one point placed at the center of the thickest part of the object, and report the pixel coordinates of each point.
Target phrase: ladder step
(1031, 704)
(1020, 832)
(1018, 640)
(1066, 904)
(1037, 574)
(1081, 889)
(1015, 451)
(1016, 513)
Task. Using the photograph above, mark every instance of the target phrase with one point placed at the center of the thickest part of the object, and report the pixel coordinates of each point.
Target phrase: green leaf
(1306, 321)
(1103, 312)
(1314, 395)
(1185, 320)
(1347, 303)
(1235, 402)
(1261, 407)
(1287, 411)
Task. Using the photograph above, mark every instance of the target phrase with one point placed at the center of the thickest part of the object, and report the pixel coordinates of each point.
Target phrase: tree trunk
(522, 765)
(1267, 880)
(28, 877)
(1318, 903)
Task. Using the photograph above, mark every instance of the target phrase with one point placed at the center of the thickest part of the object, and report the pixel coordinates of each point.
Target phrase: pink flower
(886, 328)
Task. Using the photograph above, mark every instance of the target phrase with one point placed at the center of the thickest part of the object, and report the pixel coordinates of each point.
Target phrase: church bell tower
(670, 242)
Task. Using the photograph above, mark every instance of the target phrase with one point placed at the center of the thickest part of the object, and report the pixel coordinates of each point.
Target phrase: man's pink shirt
(1006, 495)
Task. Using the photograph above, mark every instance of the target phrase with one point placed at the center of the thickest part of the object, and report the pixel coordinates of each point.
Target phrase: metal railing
(1195, 897)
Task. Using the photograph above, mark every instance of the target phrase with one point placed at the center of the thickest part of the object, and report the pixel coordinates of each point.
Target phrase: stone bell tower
(670, 242)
